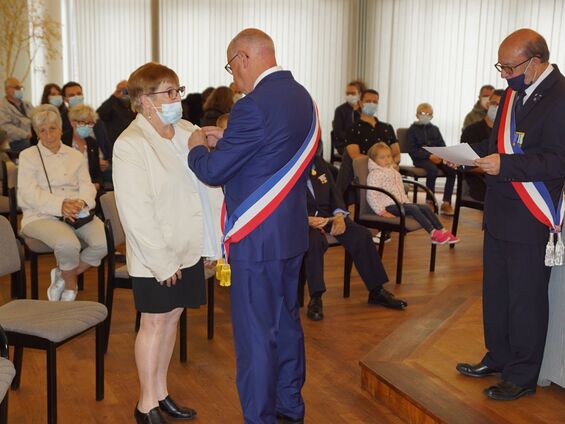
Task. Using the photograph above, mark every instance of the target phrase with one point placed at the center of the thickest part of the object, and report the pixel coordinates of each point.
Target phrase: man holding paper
(525, 165)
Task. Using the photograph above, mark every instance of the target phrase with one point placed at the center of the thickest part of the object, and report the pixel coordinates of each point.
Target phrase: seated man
(423, 133)
(480, 108)
(15, 116)
(326, 214)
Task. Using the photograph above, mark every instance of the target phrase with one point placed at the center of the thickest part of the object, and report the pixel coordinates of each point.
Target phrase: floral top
(388, 179)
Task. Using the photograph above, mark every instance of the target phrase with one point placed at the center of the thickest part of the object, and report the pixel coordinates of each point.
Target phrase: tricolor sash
(535, 194)
(260, 204)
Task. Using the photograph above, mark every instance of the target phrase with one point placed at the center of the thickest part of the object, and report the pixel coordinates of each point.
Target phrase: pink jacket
(388, 179)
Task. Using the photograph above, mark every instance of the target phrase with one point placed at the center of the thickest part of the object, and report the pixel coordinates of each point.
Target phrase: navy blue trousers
(269, 342)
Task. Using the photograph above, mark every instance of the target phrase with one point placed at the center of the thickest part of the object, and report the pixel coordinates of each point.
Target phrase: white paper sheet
(460, 154)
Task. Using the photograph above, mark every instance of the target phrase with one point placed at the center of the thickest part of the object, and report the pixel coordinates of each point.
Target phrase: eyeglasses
(85, 124)
(509, 70)
(172, 92)
(228, 67)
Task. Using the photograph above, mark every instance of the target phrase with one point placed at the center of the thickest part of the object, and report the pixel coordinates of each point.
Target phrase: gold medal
(225, 280)
(219, 264)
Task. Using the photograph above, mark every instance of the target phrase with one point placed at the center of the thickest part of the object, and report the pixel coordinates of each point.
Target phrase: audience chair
(348, 264)
(118, 276)
(411, 171)
(39, 324)
(9, 182)
(463, 200)
(335, 156)
(402, 225)
(7, 373)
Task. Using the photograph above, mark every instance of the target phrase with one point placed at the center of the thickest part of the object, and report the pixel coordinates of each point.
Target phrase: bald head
(253, 41)
(11, 83)
(525, 43)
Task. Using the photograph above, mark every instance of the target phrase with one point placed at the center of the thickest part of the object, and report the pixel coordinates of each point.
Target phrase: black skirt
(188, 292)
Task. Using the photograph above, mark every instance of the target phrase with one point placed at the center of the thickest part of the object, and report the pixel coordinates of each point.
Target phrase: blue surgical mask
(370, 109)
(518, 83)
(170, 113)
(19, 94)
(76, 100)
(83, 131)
(491, 112)
(56, 101)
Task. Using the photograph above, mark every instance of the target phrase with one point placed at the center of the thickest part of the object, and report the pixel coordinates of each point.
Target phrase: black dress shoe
(152, 417)
(506, 390)
(385, 298)
(477, 370)
(287, 420)
(315, 309)
(169, 406)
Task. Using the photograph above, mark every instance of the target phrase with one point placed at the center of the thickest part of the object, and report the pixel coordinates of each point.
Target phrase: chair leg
(101, 282)
(347, 265)
(18, 358)
(400, 258)
(22, 282)
(381, 245)
(109, 305)
(34, 279)
(51, 384)
(80, 282)
(433, 258)
(4, 409)
(455, 223)
(100, 342)
(183, 336)
(211, 288)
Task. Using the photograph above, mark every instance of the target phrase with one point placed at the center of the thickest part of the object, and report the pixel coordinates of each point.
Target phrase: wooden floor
(352, 331)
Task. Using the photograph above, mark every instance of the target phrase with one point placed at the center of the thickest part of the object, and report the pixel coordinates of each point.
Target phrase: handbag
(78, 222)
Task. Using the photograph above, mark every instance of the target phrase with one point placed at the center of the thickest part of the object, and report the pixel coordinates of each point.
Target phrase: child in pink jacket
(383, 175)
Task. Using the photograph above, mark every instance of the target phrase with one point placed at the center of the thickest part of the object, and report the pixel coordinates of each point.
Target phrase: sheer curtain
(443, 51)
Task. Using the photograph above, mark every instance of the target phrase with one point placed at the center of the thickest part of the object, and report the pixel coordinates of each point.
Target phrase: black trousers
(432, 171)
(515, 308)
(358, 241)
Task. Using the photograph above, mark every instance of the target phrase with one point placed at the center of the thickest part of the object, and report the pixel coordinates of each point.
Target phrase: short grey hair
(82, 112)
(46, 114)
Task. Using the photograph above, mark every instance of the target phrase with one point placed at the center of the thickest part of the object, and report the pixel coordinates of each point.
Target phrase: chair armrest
(3, 343)
(358, 187)
(426, 189)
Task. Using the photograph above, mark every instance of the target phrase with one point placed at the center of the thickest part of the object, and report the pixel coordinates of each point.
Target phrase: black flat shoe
(477, 370)
(315, 309)
(152, 417)
(169, 406)
(385, 298)
(506, 390)
(287, 420)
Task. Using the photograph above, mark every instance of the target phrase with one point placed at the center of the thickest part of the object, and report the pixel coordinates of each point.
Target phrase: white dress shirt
(68, 175)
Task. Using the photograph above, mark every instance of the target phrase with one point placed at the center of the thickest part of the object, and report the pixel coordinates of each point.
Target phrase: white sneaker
(57, 285)
(69, 295)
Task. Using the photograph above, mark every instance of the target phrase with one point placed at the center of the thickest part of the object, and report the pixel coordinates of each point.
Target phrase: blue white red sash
(266, 198)
(534, 195)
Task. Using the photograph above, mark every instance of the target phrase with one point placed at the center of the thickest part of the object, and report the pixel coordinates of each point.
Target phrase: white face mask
(424, 119)
(491, 112)
(484, 102)
(352, 99)
(170, 113)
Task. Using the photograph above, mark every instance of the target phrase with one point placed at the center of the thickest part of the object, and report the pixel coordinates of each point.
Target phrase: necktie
(519, 104)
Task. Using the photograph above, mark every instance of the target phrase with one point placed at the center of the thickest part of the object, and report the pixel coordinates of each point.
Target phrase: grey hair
(46, 114)
(82, 112)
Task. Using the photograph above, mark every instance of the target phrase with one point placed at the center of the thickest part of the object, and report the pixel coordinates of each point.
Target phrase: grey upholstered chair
(118, 276)
(403, 225)
(39, 324)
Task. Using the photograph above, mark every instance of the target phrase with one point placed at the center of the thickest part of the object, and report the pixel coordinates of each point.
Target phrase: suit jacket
(326, 198)
(159, 204)
(266, 128)
(13, 121)
(543, 124)
(93, 152)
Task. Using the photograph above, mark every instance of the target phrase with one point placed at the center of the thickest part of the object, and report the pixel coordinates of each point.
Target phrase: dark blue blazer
(266, 128)
(543, 123)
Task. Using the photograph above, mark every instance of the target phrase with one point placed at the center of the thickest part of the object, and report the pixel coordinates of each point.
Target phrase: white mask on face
(170, 113)
(484, 102)
(491, 112)
(352, 99)
(424, 119)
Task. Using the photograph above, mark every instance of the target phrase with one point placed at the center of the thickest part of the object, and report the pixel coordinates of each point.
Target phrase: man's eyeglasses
(509, 70)
(172, 92)
(228, 68)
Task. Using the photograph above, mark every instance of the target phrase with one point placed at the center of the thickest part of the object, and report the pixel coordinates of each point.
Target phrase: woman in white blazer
(171, 221)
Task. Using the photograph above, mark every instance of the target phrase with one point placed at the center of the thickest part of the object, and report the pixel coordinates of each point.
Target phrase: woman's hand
(71, 208)
(172, 280)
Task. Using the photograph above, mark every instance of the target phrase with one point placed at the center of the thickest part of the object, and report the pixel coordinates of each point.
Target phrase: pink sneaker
(452, 239)
(439, 237)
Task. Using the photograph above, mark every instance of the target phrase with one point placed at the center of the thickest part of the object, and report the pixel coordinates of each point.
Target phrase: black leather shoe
(477, 370)
(152, 417)
(287, 420)
(169, 406)
(315, 309)
(506, 390)
(385, 298)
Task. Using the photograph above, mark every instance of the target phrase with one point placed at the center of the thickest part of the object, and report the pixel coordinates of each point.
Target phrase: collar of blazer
(539, 93)
(183, 127)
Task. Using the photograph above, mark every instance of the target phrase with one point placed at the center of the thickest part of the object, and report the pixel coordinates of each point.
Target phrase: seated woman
(383, 175)
(82, 118)
(56, 194)
(423, 133)
(218, 103)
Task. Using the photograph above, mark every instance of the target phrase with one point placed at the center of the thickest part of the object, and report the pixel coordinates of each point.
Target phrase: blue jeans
(421, 213)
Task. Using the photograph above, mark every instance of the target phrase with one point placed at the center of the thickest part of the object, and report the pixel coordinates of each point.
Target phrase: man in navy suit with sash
(266, 129)
(527, 145)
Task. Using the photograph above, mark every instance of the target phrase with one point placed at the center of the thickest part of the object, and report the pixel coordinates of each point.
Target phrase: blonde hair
(423, 106)
(146, 79)
(46, 114)
(82, 112)
(376, 148)
(222, 120)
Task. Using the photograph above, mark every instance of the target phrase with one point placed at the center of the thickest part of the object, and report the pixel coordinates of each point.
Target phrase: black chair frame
(460, 202)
